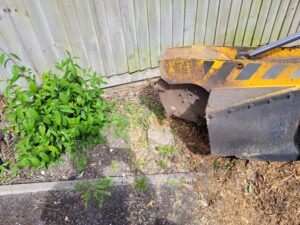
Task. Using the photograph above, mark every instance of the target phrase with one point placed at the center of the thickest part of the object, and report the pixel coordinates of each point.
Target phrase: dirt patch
(234, 191)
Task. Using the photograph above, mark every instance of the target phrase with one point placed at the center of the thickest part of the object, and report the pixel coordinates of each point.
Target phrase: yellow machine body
(251, 106)
(216, 66)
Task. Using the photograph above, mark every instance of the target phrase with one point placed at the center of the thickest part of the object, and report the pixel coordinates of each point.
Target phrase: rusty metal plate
(185, 101)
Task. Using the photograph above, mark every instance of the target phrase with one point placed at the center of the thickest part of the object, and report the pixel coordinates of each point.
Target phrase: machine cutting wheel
(249, 98)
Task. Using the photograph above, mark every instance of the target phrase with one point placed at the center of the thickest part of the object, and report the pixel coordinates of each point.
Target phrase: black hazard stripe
(274, 71)
(296, 74)
(248, 71)
(223, 72)
(207, 65)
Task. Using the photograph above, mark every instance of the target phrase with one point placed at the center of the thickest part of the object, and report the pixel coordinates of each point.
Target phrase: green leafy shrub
(97, 190)
(63, 114)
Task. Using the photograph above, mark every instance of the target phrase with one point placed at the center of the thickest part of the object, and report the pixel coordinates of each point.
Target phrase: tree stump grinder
(250, 98)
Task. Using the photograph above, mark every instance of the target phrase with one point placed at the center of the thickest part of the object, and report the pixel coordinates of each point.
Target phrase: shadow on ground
(124, 206)
(160, 205)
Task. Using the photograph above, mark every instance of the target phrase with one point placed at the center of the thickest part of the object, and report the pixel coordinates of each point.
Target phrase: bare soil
(237, 191)
(160, 205)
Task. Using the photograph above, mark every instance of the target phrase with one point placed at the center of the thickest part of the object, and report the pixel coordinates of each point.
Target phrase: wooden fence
(123, 39)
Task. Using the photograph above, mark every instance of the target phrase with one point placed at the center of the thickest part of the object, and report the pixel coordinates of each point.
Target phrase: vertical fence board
(279, 20)
(10, 36)
(223, 16)
(10, 44)
(116, 35)
(54, 20)
(128, 21)
(4, 72)
(154, 30)
(142, 33)
(101, 26)
(262, 19)
(42, 31)
(200, 29)
(212, 19)
(252, 20)
(270, 22)
(189, 21)
(178, 22)
(289, 18)
(86, 23)
(21, 24)
(296, 21)
(166, 24)
(241, 27)
(73, 31)
(232, 22)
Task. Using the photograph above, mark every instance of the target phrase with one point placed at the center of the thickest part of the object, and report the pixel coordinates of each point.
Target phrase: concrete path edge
(155, 179)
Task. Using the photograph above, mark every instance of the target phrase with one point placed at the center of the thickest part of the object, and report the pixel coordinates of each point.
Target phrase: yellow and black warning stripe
(247, 73)
(211, 67)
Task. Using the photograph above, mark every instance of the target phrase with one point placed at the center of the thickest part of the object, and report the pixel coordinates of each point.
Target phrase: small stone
(43, 172)
(151, 203)
(66, 219)
(204, 203)
(111, 150)
(159, 135)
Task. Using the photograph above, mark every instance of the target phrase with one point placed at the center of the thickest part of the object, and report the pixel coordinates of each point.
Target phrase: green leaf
(63, 97)
(65, 121)
(44, 157)
(15, 74)
(65, 62)
(43, 164)
(29, 124)
(101, 116)
(80, 100)
(42, 129)
(66, 109)
(57, 117)
(47, 119)
(33, 114)
(83, 115)
(250, 188)
(54, 150)
(2, 58)
(24, 163)
(32, 86)
(19, 111)
(35, 162)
